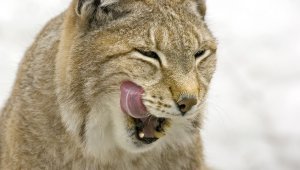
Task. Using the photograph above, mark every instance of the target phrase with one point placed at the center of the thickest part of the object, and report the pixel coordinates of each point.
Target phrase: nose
(186, 103)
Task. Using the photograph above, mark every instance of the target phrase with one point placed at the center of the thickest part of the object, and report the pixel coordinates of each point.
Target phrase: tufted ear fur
(98, 12)
(84, 6)
(202, 7)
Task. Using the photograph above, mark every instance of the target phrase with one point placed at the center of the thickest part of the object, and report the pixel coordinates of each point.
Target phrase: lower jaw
(142, 134)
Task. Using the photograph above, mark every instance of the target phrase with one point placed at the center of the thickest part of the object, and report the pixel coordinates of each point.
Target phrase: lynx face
(134, 72)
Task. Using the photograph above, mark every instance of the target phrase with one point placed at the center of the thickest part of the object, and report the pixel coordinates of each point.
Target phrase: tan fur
(64, 111)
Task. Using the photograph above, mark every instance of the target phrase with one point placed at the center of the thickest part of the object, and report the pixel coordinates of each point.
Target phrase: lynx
(112, 84)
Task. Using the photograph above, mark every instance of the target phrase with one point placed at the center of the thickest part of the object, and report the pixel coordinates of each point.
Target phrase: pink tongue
(131, 100)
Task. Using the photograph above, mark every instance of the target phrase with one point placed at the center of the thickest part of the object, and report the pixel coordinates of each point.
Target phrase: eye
(150, 54)
(200, 54)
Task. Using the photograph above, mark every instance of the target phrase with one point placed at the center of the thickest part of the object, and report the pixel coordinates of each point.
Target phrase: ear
(99, 12)
(202, 7)
(89, 5)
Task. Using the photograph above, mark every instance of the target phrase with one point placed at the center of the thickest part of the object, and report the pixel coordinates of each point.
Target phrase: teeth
(141, 135)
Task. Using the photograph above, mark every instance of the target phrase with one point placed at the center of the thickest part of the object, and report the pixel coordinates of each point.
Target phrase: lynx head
(134, 73)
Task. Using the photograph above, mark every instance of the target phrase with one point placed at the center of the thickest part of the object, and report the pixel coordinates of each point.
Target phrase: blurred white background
(253, 114)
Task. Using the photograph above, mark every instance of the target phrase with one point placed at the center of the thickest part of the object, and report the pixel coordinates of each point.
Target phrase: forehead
(177, 29)
(166, 27)
(170, 36)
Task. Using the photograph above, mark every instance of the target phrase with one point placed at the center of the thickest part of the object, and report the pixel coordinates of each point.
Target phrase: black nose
(186, 103)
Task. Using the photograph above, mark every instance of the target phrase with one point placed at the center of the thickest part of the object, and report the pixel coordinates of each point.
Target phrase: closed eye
(202, 54)
(150, 54)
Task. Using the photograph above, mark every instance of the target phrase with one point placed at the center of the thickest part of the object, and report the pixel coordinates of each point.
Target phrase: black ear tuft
(202, 7)
(79, 6)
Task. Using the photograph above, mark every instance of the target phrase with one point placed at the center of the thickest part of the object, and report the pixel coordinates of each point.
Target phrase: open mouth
(147, 127)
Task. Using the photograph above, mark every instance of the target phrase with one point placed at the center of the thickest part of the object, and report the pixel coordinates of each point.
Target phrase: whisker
(150, 101)
(150, 106)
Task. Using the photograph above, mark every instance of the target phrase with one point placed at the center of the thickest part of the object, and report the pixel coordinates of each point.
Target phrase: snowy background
(253, 119)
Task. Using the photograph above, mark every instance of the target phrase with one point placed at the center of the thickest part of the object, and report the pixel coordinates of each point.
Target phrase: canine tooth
(141, 135)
